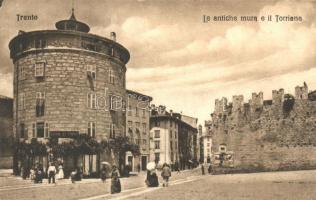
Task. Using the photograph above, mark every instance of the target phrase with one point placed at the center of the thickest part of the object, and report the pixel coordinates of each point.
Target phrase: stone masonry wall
(270, 137)
(66, 87)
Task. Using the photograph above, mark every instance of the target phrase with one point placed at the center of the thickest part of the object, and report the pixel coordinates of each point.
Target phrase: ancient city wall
(278, 134)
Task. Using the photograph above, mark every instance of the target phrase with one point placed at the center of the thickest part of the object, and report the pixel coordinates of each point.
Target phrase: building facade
(68, 82)
(207, 148)
(171, 138)
(137, 128)
(6, 137)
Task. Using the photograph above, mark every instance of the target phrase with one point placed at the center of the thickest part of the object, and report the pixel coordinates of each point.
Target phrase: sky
(182, 62)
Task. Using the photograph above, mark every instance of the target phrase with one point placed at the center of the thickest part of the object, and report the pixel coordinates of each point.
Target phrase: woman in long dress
(115, 180)
(60, 174)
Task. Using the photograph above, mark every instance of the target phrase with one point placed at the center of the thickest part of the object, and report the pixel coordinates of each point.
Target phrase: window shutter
(93, 129)
(33, 131)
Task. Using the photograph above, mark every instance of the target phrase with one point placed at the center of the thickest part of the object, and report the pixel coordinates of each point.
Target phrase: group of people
(37, 173)
(115, 178)
(207, 166)
(152, 178)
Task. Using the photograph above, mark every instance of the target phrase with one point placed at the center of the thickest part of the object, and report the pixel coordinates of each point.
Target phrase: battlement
(301, 92)
(220, 105)
(238, 102)
(256, 98)
(257, 104)
(278, 96)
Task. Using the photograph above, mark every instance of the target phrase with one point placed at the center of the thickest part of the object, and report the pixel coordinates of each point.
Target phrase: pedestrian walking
(103, 174)
(115, 180)
(152, 178)
(51, 173)
(209, 168)
(202, 168)
(166, 174)
(32, 174)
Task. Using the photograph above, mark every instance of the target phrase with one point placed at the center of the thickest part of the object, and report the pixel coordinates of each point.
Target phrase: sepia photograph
(158, 99)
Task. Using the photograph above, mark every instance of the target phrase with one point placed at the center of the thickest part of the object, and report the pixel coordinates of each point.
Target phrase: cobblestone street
(186, 185)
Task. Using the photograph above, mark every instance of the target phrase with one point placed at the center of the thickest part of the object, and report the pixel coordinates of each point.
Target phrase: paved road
(299, 185)
(16, 188)
(186, 185)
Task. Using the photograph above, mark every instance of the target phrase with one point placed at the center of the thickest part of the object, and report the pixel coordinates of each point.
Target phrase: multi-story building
(207, 148)
(137, 129)
(171, 138)
(6, 122)
(192, 121)
(68, 82)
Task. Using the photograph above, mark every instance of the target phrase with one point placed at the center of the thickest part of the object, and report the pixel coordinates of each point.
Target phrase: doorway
(144, 162)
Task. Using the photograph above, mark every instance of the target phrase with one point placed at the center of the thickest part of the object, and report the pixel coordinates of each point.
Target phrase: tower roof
(72, 24)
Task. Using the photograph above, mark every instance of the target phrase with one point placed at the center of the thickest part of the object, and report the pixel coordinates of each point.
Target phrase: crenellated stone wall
(269, 135)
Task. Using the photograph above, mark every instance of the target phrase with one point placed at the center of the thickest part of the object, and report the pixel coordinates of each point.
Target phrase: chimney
(113, 36)
(171, 112)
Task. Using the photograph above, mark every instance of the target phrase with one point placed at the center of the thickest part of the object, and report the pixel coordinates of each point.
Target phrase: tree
(120, 145)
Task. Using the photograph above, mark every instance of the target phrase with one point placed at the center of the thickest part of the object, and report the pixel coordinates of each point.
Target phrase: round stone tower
(68, 82)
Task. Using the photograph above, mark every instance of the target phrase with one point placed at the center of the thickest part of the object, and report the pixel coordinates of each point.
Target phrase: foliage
(121, 145)
(83, 144)
(34, 148)
(288, 103)
(37, 148)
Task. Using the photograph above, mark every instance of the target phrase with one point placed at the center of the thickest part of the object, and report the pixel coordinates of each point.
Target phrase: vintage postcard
(157, 99)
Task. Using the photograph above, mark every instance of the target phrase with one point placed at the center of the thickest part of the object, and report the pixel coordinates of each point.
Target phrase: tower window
(91, 129)
(22, 131)
(115, 102)
(40, 43)
(92, 100)
(40, 130)
(46, 130)
(33, 130)
(111, 77)
(112, 130)
(21, 72)
(91, 72)
(21, 104)
(39, 69)
(40, 104)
